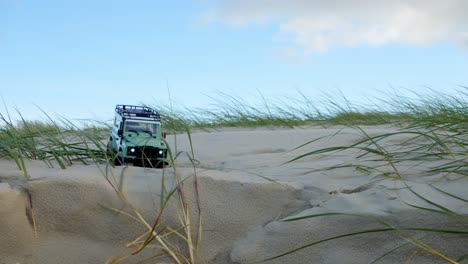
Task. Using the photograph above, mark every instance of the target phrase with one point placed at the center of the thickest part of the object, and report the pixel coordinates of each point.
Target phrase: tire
(118, 160)
(109, 150)
(161, 164)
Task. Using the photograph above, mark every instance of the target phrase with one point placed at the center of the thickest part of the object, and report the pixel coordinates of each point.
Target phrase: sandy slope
(246, 191)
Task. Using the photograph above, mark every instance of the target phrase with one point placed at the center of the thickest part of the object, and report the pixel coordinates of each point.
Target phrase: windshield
(142, 127)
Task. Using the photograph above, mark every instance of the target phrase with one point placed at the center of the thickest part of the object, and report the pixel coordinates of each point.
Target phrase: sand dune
(246, 193)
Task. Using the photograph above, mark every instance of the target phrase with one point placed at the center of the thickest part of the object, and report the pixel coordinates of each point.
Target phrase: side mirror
(119, 132)
(164, 134)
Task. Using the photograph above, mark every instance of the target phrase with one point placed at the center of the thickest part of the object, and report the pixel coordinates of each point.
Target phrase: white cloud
(317, 25)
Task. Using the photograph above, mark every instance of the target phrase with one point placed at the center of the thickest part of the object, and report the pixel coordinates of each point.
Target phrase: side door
(116, 139)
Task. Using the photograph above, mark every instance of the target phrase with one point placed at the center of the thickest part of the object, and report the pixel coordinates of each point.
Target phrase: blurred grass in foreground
(438, 150)
(433, 141)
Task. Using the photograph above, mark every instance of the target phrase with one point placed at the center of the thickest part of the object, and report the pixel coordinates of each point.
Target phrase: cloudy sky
(80, 58)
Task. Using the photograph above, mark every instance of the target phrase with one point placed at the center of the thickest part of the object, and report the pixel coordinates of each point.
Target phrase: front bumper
(146, 153)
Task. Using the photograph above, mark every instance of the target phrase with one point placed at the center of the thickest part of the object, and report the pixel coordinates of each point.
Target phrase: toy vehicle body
(137, 137)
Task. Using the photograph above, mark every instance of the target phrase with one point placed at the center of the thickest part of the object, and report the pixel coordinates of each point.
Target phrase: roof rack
(137, 112)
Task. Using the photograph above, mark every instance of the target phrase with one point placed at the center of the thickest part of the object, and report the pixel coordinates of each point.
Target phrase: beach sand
(246, 191)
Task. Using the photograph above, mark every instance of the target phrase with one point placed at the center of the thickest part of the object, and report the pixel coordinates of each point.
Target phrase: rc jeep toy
(137, 137)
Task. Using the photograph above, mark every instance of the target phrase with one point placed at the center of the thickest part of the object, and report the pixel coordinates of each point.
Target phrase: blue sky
(80, 58)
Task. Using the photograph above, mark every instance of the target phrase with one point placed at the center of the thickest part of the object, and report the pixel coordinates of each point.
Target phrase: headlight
(132, 150)
(161, 152)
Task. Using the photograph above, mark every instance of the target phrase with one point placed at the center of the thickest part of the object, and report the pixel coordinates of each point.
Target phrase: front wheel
(118, 160)
(109, 150)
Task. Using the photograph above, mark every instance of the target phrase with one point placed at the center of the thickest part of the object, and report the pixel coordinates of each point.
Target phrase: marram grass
(434, 124)
(431, 108)
(438, 145)
(57, 143)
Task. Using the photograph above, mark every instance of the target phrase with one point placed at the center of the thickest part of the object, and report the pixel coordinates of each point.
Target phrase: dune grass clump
(432, 142)
(436, 152)
(433, 108)
(178, 243)
(429, 108)
(57, 143)
(232, 111)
